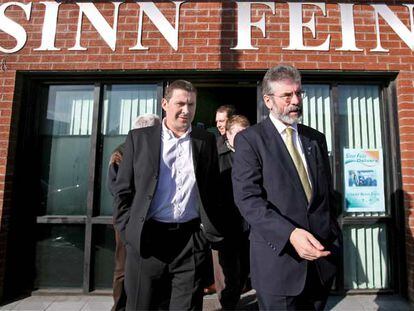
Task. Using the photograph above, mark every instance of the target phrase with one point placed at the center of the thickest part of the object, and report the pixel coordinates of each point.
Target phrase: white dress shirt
(175, 199)
(281, 128)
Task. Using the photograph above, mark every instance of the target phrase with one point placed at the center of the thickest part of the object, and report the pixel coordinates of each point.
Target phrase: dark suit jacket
(137, 180)
(269, 194)
(233, 223)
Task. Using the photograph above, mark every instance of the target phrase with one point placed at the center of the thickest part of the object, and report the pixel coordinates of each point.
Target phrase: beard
(285, 117)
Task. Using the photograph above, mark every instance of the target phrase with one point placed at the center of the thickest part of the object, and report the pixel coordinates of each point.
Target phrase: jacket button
(142, 219)
(149, 197)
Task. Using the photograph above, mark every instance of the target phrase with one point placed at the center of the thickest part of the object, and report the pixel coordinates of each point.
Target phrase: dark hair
(279, 73)
(228, 109)
(179, 85)
(237, 119)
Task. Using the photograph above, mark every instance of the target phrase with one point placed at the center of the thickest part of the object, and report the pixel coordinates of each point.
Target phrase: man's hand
(116, 158)
(306, 245)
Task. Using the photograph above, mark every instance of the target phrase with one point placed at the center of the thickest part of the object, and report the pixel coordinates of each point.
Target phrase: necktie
(294, 153)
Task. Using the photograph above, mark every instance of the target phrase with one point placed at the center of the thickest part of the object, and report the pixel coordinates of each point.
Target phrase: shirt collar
(167, 134)
(280, 126)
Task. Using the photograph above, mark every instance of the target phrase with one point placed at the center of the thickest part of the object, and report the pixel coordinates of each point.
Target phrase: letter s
(12, 28)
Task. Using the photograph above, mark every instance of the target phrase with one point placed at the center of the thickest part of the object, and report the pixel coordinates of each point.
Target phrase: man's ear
(268, 102)
(164, 104)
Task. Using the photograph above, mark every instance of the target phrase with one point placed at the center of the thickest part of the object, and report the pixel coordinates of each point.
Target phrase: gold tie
(294, 153)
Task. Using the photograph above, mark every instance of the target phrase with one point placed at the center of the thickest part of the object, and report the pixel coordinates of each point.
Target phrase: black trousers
(313, 297)
(231, 269)
(167, 275)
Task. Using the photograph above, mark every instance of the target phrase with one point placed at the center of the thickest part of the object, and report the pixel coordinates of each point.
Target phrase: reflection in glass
(104, 238)
(122, 104)
(66, 127)
(59, 256)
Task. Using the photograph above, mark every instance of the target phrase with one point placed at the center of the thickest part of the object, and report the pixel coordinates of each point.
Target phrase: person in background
(223, 113)
(231, 260)
(120, 252)
(165, 206)
(283, 188)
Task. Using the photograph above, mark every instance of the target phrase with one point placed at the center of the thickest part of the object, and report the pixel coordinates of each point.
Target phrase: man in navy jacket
(282, 186)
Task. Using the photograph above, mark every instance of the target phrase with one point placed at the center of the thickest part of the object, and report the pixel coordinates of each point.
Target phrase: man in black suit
(165, 206)
(282, 186)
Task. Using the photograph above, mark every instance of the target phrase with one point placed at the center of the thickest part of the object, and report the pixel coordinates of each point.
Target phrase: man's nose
(184, 109)
(295, 99)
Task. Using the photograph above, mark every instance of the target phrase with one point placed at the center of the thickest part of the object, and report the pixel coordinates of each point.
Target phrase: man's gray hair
(279, 73)
(146, 120)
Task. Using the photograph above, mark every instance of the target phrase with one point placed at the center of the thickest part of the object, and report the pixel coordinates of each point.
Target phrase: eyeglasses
(288, 96)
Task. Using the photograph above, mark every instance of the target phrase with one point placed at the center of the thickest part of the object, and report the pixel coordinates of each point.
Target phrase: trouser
(167, 274)
(119, 275)
(313, 297)
(231, 269)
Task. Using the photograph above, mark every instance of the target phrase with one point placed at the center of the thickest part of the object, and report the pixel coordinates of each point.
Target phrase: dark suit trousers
(231, 269)
(119, 275)
(167, 275)
(313, 297)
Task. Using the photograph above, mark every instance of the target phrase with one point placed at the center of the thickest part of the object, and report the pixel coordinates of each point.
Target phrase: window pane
(360, 129)
(104, 238)
(59, 256)
(66, 127)
(123, 103)
(317, 110)
(366, 264)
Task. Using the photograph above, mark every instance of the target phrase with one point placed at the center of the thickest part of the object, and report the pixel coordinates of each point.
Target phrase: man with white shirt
(166, 208)
(282, 186)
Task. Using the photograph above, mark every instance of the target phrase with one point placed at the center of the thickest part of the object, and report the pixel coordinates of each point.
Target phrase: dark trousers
(313, 297)
(119, 275)
(231, 269)
(167, 274)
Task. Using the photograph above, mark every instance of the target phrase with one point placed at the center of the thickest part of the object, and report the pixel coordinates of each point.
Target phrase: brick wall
(207, 32)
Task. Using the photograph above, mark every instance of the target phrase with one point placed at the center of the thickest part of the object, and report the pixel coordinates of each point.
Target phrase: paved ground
(248, 302)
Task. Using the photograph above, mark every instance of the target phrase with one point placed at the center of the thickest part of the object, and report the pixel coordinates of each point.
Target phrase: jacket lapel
(154, 147)
(197, 145)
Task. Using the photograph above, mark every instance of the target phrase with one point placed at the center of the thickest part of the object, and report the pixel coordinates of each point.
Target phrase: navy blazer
(137, 179)
(269, 194)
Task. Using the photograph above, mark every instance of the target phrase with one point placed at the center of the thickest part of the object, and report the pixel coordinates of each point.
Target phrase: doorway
(210, 97)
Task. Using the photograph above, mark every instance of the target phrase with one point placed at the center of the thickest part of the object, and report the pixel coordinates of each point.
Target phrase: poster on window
(364, 176)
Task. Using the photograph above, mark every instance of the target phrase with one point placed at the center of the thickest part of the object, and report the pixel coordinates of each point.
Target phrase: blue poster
(364, 180)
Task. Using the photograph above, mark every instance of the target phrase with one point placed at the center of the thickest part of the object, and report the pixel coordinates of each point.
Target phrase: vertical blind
(366, 264)
(81, 116)
(71, 111)
(127, 102)
(366, 252)
(366, 260)
(359, 108)
(317, 110)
